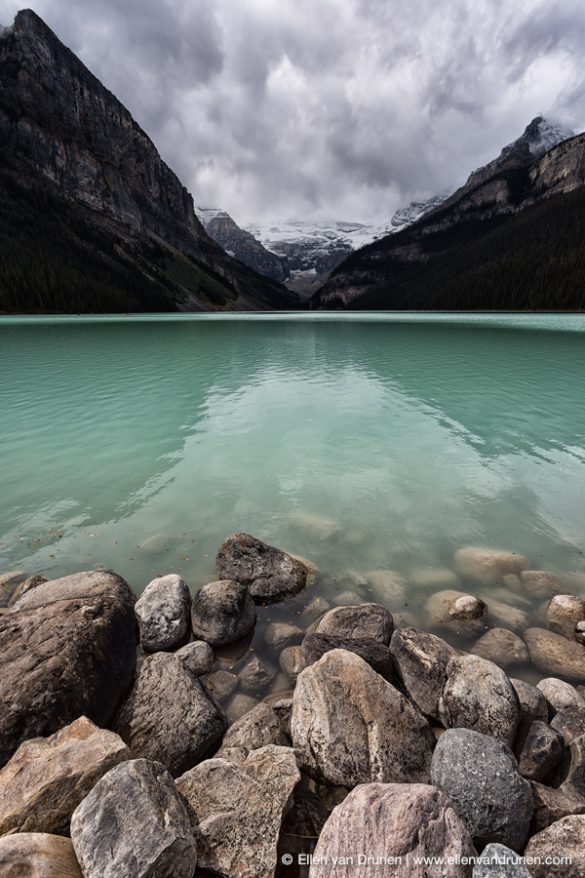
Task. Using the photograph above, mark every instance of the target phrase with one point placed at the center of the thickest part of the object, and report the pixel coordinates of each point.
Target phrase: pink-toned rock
(37, 855)
(386, 821)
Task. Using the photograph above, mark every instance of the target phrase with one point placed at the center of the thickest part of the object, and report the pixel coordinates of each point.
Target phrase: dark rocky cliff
(512, 237)
(63, 135)
(242, 245)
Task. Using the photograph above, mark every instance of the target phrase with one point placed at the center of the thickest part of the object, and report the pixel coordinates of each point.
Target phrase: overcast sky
(343, 109)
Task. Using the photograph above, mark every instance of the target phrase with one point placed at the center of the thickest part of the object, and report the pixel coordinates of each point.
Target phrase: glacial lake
(363, 442)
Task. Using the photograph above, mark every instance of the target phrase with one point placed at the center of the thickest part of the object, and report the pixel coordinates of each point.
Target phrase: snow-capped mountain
(241, 244)
(406, 216)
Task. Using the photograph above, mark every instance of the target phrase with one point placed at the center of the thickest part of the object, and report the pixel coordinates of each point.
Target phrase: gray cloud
(329, 108)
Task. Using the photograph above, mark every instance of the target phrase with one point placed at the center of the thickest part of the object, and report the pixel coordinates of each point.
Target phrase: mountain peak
(542, 134)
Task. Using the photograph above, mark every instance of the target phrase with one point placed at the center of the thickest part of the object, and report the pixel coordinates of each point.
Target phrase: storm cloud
(342, 109)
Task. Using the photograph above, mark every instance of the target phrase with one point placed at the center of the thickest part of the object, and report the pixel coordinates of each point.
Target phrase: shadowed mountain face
(91, 218)
(510, 238)
(242, 245)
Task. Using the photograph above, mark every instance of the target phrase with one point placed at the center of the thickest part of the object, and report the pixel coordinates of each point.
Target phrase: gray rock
(281, 703)
(580, 633)
(315, 608)
(456, 612)
(421, 661)
(170, 716)
(134, 823)
(365, 622)
(563, 614)
(300, 830)
(222, 612)
(375, 654)
(270, 574)
(67, 649)
(570, 723)
(279, 635)
(502, 647)
(162, 611)
(350, 726)
(47, 778)
(575, 774)
(502, 615)
(533, 704)
(539, 751)
(551, 805)
(540, 584)
(389, 587)
(257, 728)
(554, 655)
(564, 841)
(402, 821)
(478, 695)
(488, 566)
(498, 861)
(239, 810)
(221, 684)
(197, 657)
(293, 661)
(37, 855)
(480, 775)
(256, 675)
(559, 694)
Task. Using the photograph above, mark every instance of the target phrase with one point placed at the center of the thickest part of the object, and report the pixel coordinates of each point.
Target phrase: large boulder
(421, 661)
(364, 622)
(37, 855)
(396, 825)
(170, 716)
(239, 810)
(349, 726)
(222, 612)
(134, 823)
(47, 778)
(555, 655)
(378, 656)
(67, 649)
(559, 850)
(162, 611)
(498, 861)
(478, 695)
(480, 775)
(270, 574)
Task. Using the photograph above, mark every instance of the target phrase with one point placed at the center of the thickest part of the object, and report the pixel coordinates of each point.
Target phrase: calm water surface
(362, 442)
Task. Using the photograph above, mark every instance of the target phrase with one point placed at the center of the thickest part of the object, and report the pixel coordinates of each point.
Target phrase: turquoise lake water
(362, 442)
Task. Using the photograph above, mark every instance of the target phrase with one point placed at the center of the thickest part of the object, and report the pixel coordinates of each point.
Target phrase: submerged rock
(67, 648)
(255, 674)
(221, 684)
(389, 587)
(502, 647)
(540, 584)
(239, 810)
(239, 705)
(279, 635)
(270, 574)
(457, 612)
(478, 695)
(222, 612)
(162, 611)
(480, 776)
(134, 823)
(554, 655)
(488, 566)
(421, 661)
(365, 622)
(559, 850)
(349, 726)
(38, 855)
(47, 778)
(403, 821)
(170, 716)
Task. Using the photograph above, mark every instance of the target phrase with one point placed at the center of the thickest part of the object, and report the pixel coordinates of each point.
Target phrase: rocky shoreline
(145, 738)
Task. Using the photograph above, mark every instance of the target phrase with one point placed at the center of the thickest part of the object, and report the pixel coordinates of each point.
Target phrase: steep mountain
(510, 238)
(242, 245)
(91, 218)
(406, 216)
